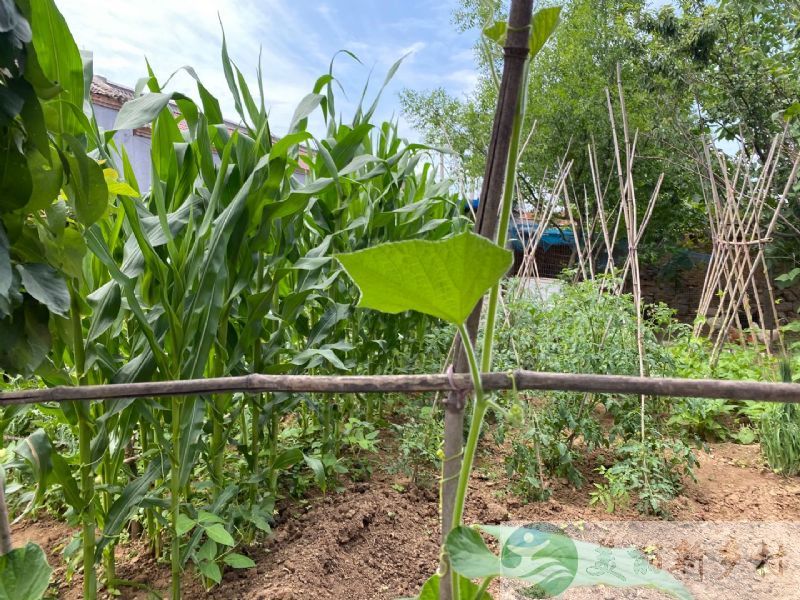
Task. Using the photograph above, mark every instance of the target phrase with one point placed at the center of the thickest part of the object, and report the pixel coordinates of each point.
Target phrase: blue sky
(298, 40)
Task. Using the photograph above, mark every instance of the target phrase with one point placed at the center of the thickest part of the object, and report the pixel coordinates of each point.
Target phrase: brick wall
(682, 293)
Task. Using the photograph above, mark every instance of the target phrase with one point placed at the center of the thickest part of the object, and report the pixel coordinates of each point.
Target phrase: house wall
(136, 146)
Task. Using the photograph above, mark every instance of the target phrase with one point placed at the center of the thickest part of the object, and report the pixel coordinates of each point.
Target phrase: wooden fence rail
(522, 380)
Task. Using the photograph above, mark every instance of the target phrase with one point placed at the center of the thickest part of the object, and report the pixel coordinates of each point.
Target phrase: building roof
(110, 95)
(113, 95)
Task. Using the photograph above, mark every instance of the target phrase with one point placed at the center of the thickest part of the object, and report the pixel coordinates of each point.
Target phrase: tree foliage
(738, 59)
(689, 67)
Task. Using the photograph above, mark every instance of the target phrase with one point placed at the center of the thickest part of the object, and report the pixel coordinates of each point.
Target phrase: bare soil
(379, 539)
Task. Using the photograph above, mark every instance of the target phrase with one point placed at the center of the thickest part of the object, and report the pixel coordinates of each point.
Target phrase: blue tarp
(520, 232)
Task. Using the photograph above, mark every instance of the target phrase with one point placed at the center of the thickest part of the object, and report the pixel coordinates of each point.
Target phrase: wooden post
(5, 529)
(515, 56)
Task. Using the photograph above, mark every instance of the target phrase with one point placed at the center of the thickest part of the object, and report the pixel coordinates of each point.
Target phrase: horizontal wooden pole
(343, 384)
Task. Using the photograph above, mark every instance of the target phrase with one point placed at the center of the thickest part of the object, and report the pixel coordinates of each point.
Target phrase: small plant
(525, 466)
(419, 444)
(653, 472)
(779, 433)
(523, 469)
(704, 418)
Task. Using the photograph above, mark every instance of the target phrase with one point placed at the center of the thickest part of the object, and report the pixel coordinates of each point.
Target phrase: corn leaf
(128, 501)
(60, 61)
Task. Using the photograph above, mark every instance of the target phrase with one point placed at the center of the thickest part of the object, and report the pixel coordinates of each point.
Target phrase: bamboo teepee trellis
(545, 204)
(743, 211)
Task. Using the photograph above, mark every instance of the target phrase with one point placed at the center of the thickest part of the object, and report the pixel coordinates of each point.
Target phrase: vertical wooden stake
(5, 529)
(515, 57)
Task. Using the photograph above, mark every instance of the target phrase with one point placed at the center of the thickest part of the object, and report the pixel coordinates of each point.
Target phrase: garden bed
(379, 539)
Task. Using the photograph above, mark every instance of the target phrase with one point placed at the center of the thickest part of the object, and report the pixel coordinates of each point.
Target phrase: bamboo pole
(742, 219)
(458, 382)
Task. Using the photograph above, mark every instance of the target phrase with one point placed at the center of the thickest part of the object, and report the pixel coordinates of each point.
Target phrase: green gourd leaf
(543, 25)
(444, 279)
(470, 556)
(430, 591)
(24, 573)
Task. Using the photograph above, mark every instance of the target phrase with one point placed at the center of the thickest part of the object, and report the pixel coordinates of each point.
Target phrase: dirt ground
(731, 537)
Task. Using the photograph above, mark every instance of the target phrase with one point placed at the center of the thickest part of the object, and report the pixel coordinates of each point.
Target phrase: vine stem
(505, 217)
(479, 411)
(474, 429)
(484, 586)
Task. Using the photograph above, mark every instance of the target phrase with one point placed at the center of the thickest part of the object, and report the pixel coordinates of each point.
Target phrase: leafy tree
(737, 58)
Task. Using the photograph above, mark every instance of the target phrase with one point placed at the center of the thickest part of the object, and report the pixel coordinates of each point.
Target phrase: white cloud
(296, 43)
(465, 79)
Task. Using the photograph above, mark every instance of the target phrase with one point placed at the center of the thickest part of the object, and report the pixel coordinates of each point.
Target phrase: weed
(779, 433)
